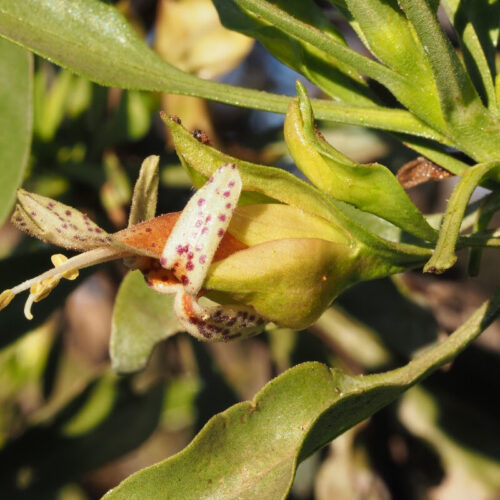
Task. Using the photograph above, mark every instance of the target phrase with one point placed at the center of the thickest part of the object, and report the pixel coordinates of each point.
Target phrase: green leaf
(50, 103)
(469, 122)
(473, 21)
(444, 255)
(252, 449)
(404, 89)
(141, 319)
(16, 120)
(389, 36)
(109, 52)
(145, 192)
(338, 80)
(371, 188)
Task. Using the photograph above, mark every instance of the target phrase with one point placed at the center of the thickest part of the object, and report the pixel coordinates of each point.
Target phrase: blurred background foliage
(71, 429)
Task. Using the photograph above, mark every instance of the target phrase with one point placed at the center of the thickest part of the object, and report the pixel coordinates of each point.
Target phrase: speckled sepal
(216, 323)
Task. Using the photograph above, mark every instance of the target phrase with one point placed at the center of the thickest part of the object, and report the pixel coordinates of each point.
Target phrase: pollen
(58, 259)
(6, 298)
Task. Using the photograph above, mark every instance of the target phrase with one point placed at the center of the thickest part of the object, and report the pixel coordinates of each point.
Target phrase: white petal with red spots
(196, 235)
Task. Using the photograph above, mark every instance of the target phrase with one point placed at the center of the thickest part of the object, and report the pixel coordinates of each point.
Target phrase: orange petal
(150, 236)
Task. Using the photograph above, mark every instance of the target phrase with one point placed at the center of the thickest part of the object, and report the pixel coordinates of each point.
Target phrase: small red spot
(163, 261)
(179, 249)
(184, 280)
(33, 214)
(98, 230)
(203, 259)
(208, 218)
(190, 255)
(204, 230)
(51, 204)
(231, 184)
(228, 205)
(222, 217)
(148, 230)
(189, 266)
(65, 226)
(68, 212)
(226, 194)
(201, 201)
(220, 233)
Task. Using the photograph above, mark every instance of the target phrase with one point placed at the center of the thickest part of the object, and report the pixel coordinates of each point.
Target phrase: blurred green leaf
(16, 120)
(468, 446)
(387, 310)
(49, 458)
(51, 103)
(141, 319)
(108, 51)
(246, 452)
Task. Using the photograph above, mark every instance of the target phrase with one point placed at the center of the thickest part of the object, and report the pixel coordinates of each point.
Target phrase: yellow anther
(41, 290)
(6, 298)
(58, 259)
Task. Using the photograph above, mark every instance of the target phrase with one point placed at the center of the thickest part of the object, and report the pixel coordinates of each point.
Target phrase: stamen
(58, 260)
(81, 261)
(6, 298)
(42, 285)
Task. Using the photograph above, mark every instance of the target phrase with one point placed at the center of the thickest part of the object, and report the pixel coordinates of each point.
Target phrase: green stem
(444, 255)
(485, 213)
(443, 353)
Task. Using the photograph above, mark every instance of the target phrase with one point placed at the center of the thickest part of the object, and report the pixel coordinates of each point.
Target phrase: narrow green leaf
(109, 52)
(444, 255)
(471, 19)
(16, 117)
(469, 122)
(390, 37)
(145, 191)
(433, 152)
(141, 319)
(51, 103)
(371, 188)
(252, 449)
(338, 80)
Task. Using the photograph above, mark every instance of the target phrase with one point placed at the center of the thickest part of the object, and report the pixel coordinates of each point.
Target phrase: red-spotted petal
(192, 244)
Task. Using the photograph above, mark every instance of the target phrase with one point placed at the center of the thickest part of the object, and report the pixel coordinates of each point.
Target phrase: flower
(263, 245)
(174, 251)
